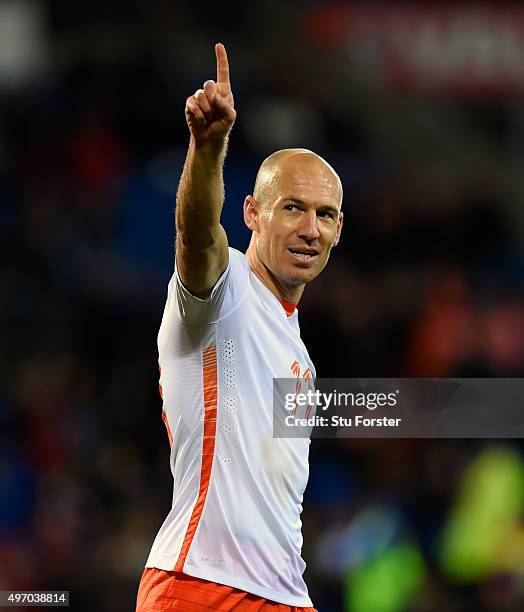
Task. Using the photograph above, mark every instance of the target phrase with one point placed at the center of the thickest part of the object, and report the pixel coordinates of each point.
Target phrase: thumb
(221, 102)
(224, 107)
(210, 88)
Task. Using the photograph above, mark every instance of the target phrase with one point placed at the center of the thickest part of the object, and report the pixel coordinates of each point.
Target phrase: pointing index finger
(222, 64)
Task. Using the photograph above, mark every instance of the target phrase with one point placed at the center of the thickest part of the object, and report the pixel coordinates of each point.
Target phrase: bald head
(286, 161)
(295, 219)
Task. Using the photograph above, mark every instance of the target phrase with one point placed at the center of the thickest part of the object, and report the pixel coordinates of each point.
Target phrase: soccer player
(232, 539)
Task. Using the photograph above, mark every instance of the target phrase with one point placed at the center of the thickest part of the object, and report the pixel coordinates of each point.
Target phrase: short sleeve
(228, 291)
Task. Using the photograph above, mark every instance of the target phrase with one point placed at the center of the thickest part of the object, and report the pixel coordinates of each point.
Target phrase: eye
(326, 213)
(290, 206)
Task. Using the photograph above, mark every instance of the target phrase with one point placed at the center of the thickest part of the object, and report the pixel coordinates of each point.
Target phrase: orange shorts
(162, 591)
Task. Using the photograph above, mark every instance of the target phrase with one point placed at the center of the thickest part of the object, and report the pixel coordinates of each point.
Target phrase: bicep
(200, 267)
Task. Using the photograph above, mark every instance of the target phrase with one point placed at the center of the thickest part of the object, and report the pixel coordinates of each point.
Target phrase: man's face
(300, 221)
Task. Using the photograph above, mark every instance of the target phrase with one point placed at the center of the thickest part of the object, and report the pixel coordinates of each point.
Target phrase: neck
(283, 292)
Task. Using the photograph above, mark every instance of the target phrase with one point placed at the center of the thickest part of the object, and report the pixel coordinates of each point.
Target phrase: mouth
(304, 254)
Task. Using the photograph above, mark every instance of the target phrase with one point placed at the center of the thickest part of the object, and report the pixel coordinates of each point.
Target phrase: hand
(210, 112)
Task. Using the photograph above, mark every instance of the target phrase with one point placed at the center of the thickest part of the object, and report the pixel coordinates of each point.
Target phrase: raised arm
(201, 246)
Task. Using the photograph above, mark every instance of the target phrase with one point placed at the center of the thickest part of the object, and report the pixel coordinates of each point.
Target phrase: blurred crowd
(427, 282)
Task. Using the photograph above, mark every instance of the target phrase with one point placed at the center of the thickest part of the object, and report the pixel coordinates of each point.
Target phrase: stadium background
(420, 110)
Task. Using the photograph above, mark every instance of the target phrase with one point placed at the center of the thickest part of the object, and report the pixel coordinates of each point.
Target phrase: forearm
(200, 194)
(201, 247)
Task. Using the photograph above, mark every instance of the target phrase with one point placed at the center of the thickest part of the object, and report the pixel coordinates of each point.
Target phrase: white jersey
(237, 497)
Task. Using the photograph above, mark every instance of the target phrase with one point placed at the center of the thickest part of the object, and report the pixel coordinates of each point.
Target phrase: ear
(340, 223)
(251, 211)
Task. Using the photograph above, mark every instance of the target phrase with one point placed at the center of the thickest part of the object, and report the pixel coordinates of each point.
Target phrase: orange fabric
(166, 423)
(208, 447)
(289, 307)
(162, 591)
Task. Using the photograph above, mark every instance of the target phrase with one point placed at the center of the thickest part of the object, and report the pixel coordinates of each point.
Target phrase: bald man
(232, 539)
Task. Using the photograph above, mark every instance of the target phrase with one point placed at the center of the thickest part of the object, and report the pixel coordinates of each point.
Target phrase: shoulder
(228, 292)
(238, 258)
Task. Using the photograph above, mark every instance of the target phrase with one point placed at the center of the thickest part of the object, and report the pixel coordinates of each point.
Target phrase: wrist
(212, 148)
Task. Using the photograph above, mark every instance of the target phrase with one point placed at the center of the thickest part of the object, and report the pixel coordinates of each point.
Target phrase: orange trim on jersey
(209, 355)
(161, 590)
(289, 307)
(166, 423)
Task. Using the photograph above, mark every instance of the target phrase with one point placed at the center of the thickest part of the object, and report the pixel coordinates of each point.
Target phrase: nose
(308, 228)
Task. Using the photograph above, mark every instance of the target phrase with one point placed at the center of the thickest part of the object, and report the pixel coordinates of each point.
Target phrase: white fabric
(249, 533)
